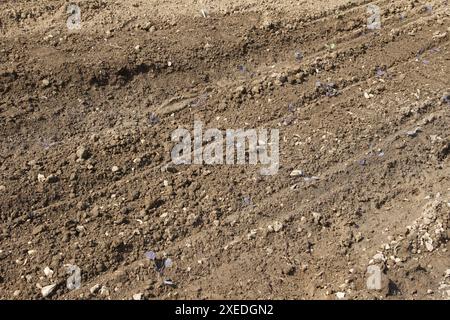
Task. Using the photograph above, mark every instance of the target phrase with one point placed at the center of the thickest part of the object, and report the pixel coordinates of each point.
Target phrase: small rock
(45, 83)
(414, 132)
(47, 290)
(104, 291)
(115, 169)
(317, 217)
(137, 296)
(277, 226)
(52, 178)
(288, 269)
(296, 173)
(48, 272)
(379, 257)
(94, 289)
(16, 293)
(374, 280)
(298, 55)
(38, 229)
(251, 235)
(340, 295)
(41, 177)
(204, 13)
(169, 167)
(82, 153)
(241, 90)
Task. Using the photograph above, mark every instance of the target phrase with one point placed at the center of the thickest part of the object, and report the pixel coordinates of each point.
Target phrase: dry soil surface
(86, 118)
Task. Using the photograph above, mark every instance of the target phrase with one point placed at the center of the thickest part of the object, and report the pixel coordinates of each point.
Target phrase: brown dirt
(379, 190)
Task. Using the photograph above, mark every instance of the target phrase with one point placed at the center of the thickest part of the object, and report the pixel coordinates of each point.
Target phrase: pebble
(277, 226)
(317, 217)
(137, 296)
(298, 55)
(296, 173)
(16, 293)
(414, 132)
(379, 257)
(45, 83)
(82, 153)
(115, 169)
(52, 178)
(47, 290)
(252, 234)
(94, 289)
(368, 95)
(241, 90)
(104, 291)
(340, 295)
(374, 281)
(48, 272)
(38, 229)
(41, 177)
(2, 188)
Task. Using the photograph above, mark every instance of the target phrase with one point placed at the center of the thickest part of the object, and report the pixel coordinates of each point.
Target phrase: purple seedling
(329, 89)
(47, 144)
(242, 68)
(200, 100)
(379, 72)
(159, 264)
(446, 98)
(247, 201)
(288, 120)
(153, 119)
(150, 255)
(435, 50)
(298, 55)
(291, 107)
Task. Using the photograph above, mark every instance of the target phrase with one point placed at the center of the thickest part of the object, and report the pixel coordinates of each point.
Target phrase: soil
(86, 118)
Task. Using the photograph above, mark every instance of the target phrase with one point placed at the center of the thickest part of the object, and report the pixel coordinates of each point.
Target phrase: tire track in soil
(203, 234)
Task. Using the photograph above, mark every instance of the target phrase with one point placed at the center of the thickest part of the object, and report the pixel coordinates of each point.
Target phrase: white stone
(340, 295)
(137, 296)
(48, 272)
(41, 177)
(94, 288)
(47, 290)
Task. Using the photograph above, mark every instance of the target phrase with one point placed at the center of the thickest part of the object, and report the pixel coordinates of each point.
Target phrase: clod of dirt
(82, 153)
